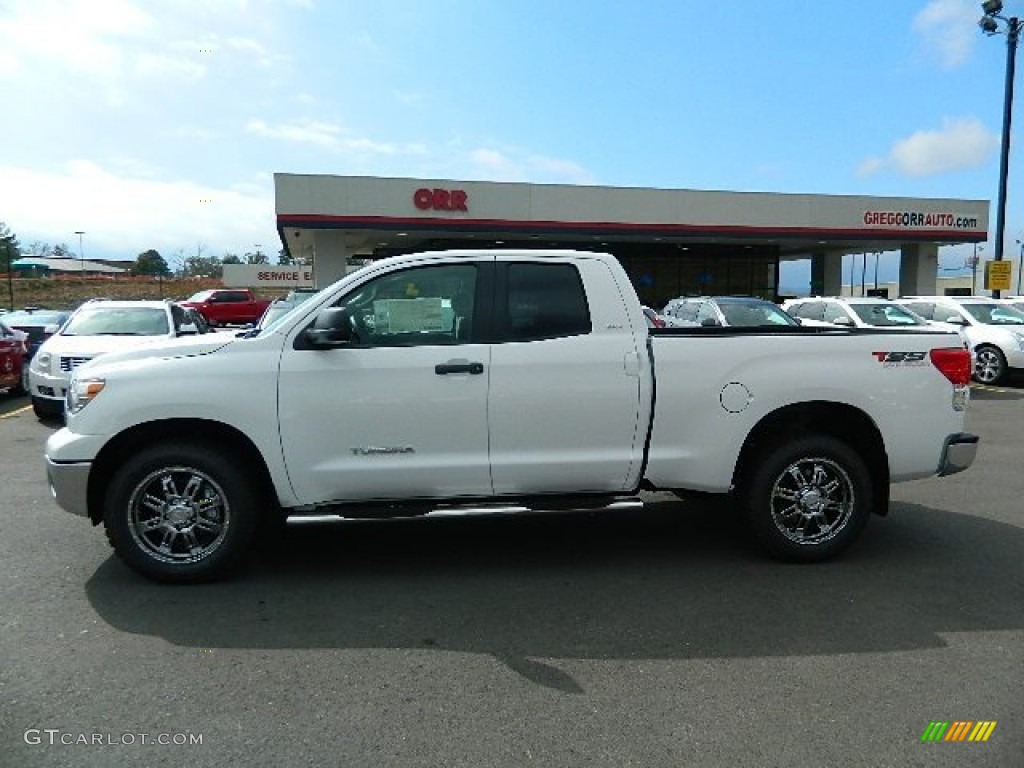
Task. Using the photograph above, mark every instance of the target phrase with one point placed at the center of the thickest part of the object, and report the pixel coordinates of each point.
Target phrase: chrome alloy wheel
(988, 366)
(178, 515)
(812, 500)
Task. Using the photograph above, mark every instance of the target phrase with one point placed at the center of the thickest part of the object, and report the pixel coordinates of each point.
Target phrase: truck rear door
(565, 379)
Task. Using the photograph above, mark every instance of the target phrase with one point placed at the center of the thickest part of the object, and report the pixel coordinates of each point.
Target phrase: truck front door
(402, 411)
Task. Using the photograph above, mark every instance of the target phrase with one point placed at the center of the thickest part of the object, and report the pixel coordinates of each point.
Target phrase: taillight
(659, 321)
(954, 363)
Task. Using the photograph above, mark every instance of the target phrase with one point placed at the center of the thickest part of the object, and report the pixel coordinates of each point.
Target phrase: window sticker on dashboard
(407, 315)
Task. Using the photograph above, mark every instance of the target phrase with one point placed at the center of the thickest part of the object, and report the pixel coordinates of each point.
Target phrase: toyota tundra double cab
(498, 380)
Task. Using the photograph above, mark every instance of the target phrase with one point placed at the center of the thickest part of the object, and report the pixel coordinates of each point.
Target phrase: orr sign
(440, 199)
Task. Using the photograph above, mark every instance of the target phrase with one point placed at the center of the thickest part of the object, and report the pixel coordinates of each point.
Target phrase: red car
(13, 351)
(228, 306)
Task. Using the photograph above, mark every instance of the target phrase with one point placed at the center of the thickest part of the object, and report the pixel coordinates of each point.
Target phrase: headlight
(82, 391)
(42, 361)
(1019, 338)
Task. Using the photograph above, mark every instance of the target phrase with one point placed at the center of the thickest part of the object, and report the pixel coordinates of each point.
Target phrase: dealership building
(672, 242)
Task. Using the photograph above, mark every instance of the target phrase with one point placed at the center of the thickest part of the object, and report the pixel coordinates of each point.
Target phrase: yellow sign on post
(998, 275)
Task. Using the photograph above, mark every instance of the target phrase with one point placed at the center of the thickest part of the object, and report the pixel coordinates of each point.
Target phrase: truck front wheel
(809, 499)
(180, 513)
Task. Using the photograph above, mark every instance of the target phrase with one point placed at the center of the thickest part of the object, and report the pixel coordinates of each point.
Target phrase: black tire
(809, 499)
(181, 513)
(46, 410)
(989, 364)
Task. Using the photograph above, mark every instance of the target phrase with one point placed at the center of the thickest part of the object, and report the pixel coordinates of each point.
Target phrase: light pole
(990, 25)
(81, 253)
(10, 273)
(1020, 262)
(974, 268)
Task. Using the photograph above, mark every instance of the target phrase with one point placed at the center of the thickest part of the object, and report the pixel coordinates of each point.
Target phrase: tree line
(182, 263)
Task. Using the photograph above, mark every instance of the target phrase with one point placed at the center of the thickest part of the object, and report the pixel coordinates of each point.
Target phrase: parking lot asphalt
(652, 638)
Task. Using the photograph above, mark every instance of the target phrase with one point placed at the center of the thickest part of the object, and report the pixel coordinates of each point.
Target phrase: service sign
(267, 276)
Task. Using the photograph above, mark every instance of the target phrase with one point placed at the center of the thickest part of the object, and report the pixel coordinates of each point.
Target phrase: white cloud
(299, 131)
(124, 215)
(329, 136)
(123, 45)
(82, 35)
(961, 143)
(409, 98)
(870, 165)
(949, 28)
(509, 164)
(161, 65)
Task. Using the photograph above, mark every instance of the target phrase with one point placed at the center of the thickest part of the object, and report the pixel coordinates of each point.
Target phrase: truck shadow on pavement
(671, 582)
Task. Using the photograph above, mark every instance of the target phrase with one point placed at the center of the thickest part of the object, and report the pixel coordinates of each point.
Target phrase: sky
(160, 123)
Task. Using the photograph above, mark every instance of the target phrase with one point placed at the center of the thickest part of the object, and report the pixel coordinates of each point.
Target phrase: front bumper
(69, 484)
(958, 453)
(49, 386)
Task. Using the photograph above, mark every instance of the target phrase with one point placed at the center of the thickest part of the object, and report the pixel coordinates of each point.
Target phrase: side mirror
(843, 320)
(51, 329)
(332, 328)
(955, 320)
(709, 322)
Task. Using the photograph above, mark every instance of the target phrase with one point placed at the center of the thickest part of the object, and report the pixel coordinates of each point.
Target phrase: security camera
(992, 7)
(988, 24)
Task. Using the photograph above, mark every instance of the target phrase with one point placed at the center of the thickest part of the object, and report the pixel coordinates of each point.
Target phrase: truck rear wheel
(180, 513)
(809, 499)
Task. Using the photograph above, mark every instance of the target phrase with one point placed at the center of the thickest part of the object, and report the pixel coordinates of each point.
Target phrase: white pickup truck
(438, 383)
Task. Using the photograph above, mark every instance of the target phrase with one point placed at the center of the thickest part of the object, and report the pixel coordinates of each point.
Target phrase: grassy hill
(68, 293)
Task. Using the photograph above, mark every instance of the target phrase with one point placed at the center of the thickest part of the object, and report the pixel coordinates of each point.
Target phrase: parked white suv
(854, 312)
(994, 330)
(99, 326)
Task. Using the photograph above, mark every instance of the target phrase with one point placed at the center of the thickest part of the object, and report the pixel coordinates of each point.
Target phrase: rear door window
(543, 301)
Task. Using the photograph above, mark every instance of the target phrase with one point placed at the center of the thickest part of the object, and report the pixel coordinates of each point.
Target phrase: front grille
(70, 363)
